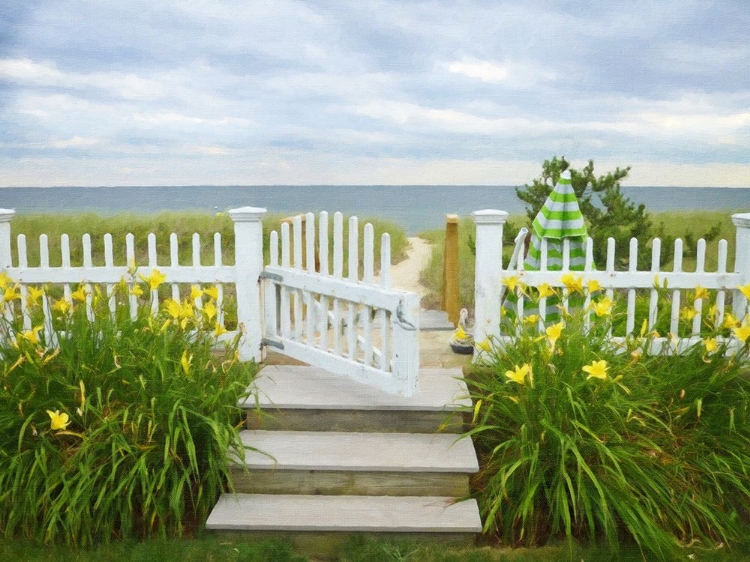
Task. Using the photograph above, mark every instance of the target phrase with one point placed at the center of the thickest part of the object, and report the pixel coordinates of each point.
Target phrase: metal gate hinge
(272, 276)
(271, 343)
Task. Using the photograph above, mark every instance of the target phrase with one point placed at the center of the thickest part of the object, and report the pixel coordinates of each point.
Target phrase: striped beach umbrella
(559, 218)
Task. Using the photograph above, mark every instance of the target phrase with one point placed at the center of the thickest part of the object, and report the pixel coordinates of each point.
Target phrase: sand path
(405, 274)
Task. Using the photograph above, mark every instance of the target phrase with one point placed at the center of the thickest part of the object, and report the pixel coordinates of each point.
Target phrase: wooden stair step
(303, 387)
(344, 514)
(331, 450)
(347, 463)
(307, 398)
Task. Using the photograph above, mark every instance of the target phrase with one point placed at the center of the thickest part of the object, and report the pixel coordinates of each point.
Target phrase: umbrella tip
(565, 177)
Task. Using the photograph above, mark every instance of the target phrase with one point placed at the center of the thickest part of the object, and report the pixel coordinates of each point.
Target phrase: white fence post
(741, 262)
(488, 272)
(406, 343)
(248, 263)
(5, 243)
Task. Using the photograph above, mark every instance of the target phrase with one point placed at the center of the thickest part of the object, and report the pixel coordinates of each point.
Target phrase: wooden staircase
(332, 457)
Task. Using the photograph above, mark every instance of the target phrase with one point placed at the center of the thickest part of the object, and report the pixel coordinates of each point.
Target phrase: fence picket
(369, 273)
(721, 295)
(310, 263)
(285, 310)
(385, 281)
(154, 294)
(610, 268)
(272, 291)
(196, 264)
(700, 264)
(109, 262)
(174, 261)
(65, 254)
(218, 262)
(632, 268)
(653, 304)
(351, 330)
(323, 317)
(338, 272)
(588, 265)
(297, 294)
(675, 315)
(130, 256)
(23, 263)
(88, 264)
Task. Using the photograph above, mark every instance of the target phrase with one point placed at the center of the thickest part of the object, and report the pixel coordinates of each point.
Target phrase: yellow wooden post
(450, 300)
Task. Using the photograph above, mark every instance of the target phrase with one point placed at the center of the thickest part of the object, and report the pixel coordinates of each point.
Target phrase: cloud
(255, 91)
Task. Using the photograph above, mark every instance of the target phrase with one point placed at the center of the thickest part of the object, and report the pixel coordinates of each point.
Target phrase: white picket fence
(243, 275)
(490, 276)
(360, 327)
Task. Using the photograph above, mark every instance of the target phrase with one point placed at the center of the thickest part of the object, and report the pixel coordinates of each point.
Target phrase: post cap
(452, 219)
(742, 220)
(489, 216)
(247, 214)
(6, 214)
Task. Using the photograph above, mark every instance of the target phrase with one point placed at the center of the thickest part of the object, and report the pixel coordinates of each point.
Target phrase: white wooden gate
(358, 325)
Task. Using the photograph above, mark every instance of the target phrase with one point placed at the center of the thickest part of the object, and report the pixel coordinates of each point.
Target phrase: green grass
(219, 549)
(691, 225)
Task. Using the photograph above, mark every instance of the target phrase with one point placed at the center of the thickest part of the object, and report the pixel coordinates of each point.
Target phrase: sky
(222, 92)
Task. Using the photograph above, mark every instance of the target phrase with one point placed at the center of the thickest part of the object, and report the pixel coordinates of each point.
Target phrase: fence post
(5, 241)
(450, 299)
(741, 262)
(248, 264)
(488, 273)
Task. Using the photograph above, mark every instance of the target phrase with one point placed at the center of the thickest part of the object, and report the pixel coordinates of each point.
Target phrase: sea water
(415, 207)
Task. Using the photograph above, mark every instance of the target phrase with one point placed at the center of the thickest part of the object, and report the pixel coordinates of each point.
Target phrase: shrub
(112, 427)
(591, 440)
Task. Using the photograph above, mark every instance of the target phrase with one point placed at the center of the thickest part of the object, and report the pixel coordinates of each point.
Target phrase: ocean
(415, 207)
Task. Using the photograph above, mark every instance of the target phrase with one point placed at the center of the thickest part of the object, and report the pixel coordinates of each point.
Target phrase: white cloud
(516, 74)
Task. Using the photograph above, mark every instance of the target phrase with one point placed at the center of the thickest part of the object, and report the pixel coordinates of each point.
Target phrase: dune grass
(184, 224)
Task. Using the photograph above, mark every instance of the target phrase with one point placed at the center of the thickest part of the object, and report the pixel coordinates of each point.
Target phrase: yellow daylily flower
(573, 283)
(137, 291)
(154, 280)
(519, 374)
(173, 308)
(553, 333)
(219, 330)
(34, 295)
(701, 293)
(79, 294)
(742, 333)
(209, 309)
(688, 313)
(62, 306)
(186, 362)
(545, 291)
(11, 293)
(597, 369)
(212, 292)
(745, 290)
(603, 307)
(195, 292)
(531, 319)
(510, 282)
(484, 345)
(32, 336)
(58, 421)
(730, 321)
(5, 280)
(711, 344)
(594, 286)
(186, 309)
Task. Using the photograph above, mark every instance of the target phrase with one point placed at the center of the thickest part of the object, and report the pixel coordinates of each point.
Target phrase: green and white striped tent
(559, 218)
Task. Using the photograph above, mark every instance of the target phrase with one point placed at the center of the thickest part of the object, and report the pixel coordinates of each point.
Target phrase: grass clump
(601, 443)
(112, 426)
